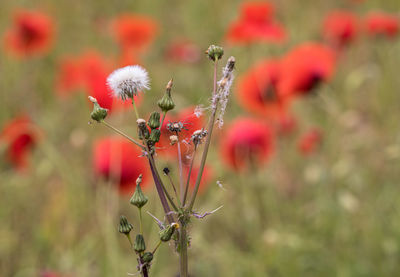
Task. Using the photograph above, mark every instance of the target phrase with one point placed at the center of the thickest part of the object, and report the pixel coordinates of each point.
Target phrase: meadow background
(334, 212)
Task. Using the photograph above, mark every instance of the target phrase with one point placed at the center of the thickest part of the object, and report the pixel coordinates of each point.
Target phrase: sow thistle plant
(177, 201)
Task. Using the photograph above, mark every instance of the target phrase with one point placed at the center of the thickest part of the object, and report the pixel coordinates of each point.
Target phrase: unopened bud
(173, 139)
(139, 244)
(98, 112)
(215, 52)
(166, 103)
(167, 232)
(155, 135)
(142, 129)
(147, 257)
(138, 198)
(154, 120)
(124, 226)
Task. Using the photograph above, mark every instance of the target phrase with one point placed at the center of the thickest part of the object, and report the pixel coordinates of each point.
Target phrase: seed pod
(147, 257)
(124, 226)
(166, 103)
(166, 233)
(155, 135)
(139, 244)
(215, 52)
(154, 120)
(138, 199)
(98, 112)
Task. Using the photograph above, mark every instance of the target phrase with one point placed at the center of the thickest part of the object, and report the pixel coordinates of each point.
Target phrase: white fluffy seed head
(126, 82)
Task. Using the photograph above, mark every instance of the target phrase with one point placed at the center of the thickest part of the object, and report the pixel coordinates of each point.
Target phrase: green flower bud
(147, 257)
(215, 52)
(139, 244)
(124, 226)
(154, 120)
(138, 198)
(166, 103)
(98, 112)
(155, 135)
(166, 233)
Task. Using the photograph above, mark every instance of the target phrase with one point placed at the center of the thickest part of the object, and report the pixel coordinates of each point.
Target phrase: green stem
(140, 221)
(180, 169)
(183, 256)
(122, 134)
(173, 187)
(162, 120)
(208, 140)
(155, 249)
(189, 174)
(134, 107)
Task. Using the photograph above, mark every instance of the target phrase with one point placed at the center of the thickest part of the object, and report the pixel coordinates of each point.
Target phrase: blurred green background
(336, 213)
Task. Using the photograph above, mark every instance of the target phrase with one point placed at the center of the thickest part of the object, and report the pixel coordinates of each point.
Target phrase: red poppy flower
(50, 274)
(340, 27)
(18, 137)
(190, 122)
(208, 174)
(119, 160)
(303, 68)
(134, 32)
(256, 24)
(183, 52)
(247, 142)
(379, 23)
(257, 91)
(32, 33)
(309, 142)
(69, 77)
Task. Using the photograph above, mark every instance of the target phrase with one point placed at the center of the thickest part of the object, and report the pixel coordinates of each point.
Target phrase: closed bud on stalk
(155, 135)
(124, 226)
(215, 52)
(154, 120)
(139, 244)
(98, 112)
(138, 198)
(166, 103)
(147, 257)
(166, 234)
(142, 129)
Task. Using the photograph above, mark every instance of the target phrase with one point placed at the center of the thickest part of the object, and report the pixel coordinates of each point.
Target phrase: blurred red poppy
(340, 27)
(183, 51)
(380, 23)
(18, 137)
(255, 24)
(134, 32)
(119, 160)
(32, 33)
(257, 91)
(287, 124)
(247, 143)
(303, 68)
(190, 122)
(309, 142)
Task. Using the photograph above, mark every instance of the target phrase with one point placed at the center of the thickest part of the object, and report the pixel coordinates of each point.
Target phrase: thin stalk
(130, 240)
(155, 249)
(134, 107)
(122, 134)
(160, 190)
(140, 221)
(208, 140)
(174, 188)
(180, 169)
(183, 257)
(189, 174)
(162, 120)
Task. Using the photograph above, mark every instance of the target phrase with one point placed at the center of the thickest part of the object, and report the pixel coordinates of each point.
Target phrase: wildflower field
(255, 138)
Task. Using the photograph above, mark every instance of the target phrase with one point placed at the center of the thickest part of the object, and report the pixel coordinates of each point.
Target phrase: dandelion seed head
(126, 82)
